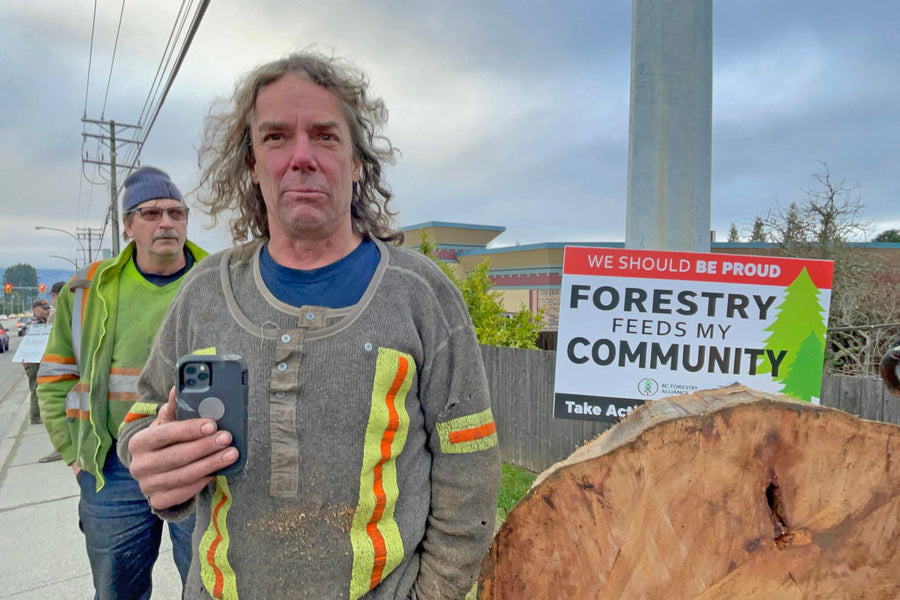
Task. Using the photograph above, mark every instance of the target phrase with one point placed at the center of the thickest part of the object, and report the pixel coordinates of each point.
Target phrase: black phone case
(224, 401)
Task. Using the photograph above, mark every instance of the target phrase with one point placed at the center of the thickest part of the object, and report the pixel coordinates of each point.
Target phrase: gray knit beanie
(148, 183)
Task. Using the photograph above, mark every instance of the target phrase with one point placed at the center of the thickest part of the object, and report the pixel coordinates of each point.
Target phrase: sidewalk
(42, 550)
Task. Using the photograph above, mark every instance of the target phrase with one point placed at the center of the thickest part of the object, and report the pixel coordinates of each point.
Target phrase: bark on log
(721, 494)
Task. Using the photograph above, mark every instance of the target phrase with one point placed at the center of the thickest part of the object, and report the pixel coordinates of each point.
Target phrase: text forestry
(666, 302)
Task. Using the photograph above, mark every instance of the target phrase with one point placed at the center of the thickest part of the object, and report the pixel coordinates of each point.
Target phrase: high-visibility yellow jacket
(75, 381)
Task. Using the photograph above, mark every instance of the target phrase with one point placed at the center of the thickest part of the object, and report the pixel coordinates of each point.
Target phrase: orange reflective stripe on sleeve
(57, 368)
(141, 410)
(62, 360)
(470, 433)
(56, 378)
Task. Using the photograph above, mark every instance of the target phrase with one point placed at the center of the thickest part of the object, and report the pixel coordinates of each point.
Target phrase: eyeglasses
(153, 213)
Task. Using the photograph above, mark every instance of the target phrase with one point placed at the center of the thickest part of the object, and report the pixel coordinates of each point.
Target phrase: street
(42, 549)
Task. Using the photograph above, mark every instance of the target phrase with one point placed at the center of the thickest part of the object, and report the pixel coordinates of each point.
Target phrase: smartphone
(214, 386)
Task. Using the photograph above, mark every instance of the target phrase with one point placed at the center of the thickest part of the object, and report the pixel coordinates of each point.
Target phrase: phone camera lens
(190, 369)
(202, 376)
(191, 382)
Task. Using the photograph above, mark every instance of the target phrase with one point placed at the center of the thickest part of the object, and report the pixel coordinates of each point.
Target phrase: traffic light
(8, 287)
(42, 288)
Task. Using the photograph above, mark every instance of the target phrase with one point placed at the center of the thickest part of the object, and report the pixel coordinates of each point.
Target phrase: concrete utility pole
(670, 132)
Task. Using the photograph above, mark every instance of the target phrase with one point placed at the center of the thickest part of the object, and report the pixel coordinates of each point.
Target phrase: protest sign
(31, 348)
(635, 325)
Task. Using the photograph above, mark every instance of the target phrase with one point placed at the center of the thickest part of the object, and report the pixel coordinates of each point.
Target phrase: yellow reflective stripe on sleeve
(374, 534)
(139, 410)
(468, 434)
(204, 351)
(215, 570)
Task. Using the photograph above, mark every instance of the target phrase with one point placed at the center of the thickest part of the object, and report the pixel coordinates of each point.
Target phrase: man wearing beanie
(106, 320)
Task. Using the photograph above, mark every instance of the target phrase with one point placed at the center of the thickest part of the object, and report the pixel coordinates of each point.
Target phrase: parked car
(23, 324)
(4, 339)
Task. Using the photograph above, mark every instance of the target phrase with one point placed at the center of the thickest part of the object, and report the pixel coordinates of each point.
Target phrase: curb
(9, 446)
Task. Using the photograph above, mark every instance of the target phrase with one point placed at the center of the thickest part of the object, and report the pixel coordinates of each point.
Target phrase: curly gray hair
(226, 152)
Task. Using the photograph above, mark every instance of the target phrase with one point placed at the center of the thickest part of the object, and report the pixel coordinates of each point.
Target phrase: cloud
(507, 113)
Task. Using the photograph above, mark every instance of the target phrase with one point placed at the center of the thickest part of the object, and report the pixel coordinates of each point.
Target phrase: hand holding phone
(215, 387)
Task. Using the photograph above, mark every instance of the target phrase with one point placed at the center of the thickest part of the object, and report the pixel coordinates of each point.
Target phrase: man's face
(304, 162)
(157, 241)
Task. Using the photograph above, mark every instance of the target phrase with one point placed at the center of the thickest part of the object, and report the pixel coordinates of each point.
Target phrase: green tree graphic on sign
(804, 383)
(799, 329)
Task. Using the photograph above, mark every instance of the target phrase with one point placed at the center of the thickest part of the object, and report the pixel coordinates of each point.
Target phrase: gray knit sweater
(373, 466)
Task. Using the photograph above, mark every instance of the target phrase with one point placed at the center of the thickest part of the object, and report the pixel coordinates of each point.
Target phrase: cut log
(721, 494)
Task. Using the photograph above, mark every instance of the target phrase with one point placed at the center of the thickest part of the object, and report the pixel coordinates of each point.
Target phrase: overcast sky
(510, 113)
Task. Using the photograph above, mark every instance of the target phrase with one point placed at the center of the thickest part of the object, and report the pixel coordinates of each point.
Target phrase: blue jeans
(122, 535)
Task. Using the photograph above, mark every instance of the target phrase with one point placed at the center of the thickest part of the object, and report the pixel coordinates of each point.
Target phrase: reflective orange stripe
(468, 433)
(211, 553)
(62, 360)
(56, 378)
(74, 413)
(472, 434)
(133, 417)
(215, 571)
(374, 533)
(124, 371)
(381, 498)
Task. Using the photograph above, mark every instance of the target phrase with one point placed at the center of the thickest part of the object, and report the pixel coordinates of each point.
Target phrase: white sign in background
(676, 341)
(31, 349)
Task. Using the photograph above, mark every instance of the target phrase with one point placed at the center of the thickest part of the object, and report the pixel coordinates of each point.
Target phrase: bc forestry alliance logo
(647, 387)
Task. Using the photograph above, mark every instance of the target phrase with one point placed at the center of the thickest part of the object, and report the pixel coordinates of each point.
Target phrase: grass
(513, 486)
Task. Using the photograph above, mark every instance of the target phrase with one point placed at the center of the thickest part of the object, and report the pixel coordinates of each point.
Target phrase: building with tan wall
(531, 274)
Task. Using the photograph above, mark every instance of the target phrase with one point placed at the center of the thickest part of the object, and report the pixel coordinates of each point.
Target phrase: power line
(164, 60)
(152, 107)
(87, 86)
(195, 25)
(112, 61)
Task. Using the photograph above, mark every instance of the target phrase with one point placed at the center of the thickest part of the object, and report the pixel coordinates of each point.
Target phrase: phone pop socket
(211, 408)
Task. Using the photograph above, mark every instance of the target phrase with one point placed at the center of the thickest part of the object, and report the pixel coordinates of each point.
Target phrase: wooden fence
(521, 383)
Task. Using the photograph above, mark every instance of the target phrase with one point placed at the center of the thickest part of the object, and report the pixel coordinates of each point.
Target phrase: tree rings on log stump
(721, 494)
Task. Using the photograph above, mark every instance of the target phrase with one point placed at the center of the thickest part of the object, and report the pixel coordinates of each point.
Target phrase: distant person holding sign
(40, 311)
(106, 321)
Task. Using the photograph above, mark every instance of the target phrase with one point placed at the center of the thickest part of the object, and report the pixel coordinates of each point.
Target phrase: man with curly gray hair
(227, 154)
(372, 464)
